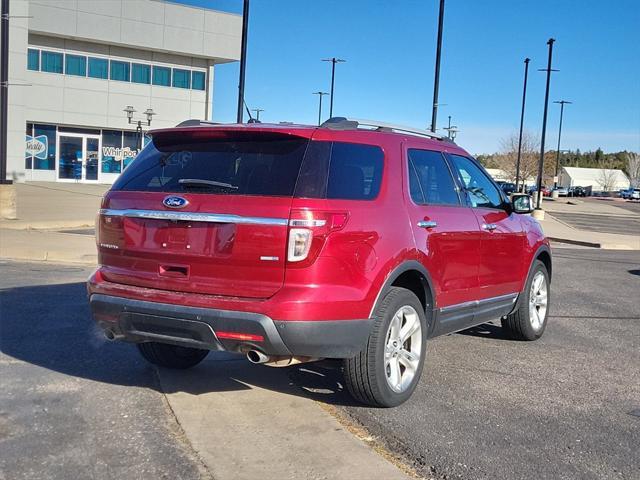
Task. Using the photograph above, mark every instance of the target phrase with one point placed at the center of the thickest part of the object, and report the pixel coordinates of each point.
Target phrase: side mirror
(521, 203)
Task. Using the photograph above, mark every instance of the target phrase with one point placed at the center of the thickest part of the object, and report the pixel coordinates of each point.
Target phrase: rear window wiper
(200, 182)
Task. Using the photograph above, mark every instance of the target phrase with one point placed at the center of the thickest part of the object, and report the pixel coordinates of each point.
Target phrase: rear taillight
(109, 231)
(308, 229)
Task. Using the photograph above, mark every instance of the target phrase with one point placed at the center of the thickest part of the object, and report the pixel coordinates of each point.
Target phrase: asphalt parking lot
(486, 407)
(623, 225)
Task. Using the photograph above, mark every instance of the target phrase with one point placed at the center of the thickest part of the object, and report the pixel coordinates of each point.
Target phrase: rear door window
(339, 170)
(223, 162)
(430, 181)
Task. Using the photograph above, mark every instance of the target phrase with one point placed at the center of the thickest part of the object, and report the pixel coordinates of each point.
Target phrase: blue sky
(390, 49)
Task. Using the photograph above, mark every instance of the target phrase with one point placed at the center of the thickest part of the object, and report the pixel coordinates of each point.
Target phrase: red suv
(296, 243)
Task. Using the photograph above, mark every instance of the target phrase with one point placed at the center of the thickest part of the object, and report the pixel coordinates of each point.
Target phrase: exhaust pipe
(109, 334)
(256, 356)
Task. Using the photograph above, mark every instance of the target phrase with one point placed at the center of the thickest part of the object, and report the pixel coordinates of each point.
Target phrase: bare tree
(507, 159)
(633, 167)
(607, 178)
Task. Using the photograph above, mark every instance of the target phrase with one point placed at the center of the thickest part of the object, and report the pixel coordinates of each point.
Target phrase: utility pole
(243, 59)
(524, 97)
(333, 61)
(4, 91)
(544, 123)
(257, 110)
(436, 83)
(320, 95)
(562, 104)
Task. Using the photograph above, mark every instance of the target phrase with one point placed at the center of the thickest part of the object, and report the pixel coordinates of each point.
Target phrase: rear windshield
(265, 163)
(239, 165)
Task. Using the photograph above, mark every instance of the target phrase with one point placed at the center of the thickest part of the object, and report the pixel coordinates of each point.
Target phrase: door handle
(489, 226)
(427, 224)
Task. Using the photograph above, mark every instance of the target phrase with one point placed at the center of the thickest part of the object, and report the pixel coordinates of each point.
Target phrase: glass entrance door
(70, 158)
(78, 157)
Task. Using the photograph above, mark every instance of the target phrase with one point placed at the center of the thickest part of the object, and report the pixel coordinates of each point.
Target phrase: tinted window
(224, 163)
(111, 144)
(119, 71)
(432, 182)
(181, 78)
(98, 67)
(198, 80)
(341, 170)
(47, 160)
(75, 65)
(480, 190)
(33, 59)
(162, 76)
(140, 73)
(51, 62)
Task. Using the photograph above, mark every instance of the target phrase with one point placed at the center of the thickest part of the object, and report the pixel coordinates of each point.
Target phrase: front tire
(385, 373)
(529, 320)
(171, 356)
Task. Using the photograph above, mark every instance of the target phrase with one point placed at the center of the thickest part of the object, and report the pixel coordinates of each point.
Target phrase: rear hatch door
(203, 210)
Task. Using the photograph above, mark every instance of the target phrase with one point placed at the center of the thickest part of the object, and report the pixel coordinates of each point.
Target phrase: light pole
(257, 110)
(544, 123)
(320, 95)
(4, 90)
(524, 97)
(452, 130)
(333, 61)
(243, 59)
(436, 83)
(562, 104)
(149, 113)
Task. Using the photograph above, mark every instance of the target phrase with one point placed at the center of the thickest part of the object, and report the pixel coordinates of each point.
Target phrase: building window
(162, 76)
(98, 68)
(33, 59)
(51, 62)
(111, 151)
(140, 73)
(181, 78)
(45, 159)
(198, 80)
(120, 71)
(75, 65)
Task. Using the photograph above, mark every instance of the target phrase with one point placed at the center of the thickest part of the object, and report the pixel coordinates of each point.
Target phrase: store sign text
(37, 147)
(119, 153)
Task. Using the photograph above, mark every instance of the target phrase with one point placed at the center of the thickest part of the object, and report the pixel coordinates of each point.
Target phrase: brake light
(308, 229)
(109, 232)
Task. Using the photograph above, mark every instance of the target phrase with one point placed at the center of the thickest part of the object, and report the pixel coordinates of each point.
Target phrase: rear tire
(529, 320)
(385, 373)
(171, 356)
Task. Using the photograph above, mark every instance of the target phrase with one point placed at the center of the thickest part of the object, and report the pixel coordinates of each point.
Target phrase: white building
(596, 178)
(75, 65)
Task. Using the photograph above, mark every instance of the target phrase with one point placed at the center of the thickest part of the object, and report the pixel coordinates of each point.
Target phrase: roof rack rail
(193, 122)
(344, 123)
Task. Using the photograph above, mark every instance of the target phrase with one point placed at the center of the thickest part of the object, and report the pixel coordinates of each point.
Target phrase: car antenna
(251, 119)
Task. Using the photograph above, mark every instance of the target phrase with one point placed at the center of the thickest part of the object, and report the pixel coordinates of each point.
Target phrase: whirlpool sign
(37, 147)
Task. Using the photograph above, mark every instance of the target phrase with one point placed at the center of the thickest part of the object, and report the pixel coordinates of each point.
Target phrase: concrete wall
(18, 91)
(147, 24)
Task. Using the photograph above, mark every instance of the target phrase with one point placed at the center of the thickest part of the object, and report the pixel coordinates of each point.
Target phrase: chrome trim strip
(476, 303)
(193, 217)
(306, 223)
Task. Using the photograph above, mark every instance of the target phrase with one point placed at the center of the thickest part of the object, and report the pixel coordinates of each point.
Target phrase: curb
(575, 242)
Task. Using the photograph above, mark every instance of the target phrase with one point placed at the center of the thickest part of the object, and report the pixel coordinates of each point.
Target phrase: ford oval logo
(175, 202)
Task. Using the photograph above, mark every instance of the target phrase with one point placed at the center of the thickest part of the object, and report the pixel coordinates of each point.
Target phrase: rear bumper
(213, 329)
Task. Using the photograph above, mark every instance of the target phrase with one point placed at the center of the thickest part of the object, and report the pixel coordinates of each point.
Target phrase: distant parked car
(577, 192)
(546, 191)
(626, 193)
(562, 191)
(507, 187)
(635, 195)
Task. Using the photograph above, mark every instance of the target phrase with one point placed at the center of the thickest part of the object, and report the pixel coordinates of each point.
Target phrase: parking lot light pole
(258, 110)
(436, 82)
(320, 95)
(243, 60)
(4, 91)
(544, 123)
(562, 104)
(333, 61)
(524, 97)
